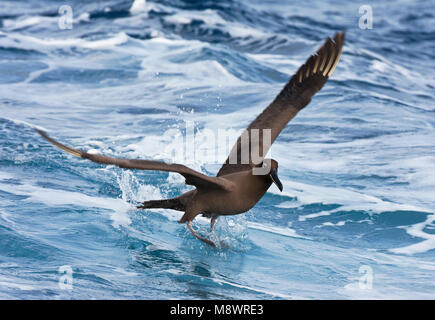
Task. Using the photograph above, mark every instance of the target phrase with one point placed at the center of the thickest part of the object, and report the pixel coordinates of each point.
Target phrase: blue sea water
(356, 218)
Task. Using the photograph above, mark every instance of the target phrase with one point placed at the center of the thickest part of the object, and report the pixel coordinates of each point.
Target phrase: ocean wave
(357, 164)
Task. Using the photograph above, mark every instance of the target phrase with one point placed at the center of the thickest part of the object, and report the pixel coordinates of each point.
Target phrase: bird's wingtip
(74, 152)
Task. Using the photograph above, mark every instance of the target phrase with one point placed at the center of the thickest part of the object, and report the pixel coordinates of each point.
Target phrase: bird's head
(269, 168)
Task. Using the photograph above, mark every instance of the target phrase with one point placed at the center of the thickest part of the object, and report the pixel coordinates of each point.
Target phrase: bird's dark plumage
(306, 82)
(236, 188)
(193, 177)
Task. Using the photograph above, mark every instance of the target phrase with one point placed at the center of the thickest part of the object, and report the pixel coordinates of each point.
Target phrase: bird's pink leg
(189, 225)
(212, 223)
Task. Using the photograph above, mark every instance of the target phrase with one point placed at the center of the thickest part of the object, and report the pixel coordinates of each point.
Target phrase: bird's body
(247, 191)
(246, 175)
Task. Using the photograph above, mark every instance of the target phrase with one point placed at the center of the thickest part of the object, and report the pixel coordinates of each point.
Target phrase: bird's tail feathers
(174, 204)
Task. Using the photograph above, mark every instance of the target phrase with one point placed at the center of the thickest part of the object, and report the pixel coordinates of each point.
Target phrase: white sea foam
(12, 24)
(14, 284)
(29, 21)
(350, 200)
(287, 232)
(28, 124)
(196, 71)
(416, 230)
(271, 293)
(22, 41)
(160, 8)
(138, 6)
(383, 65)
(85, 16)
(54, 197)
(288, 204)
(134, 191)
(338, 224)
(5, 175)
(212, 19)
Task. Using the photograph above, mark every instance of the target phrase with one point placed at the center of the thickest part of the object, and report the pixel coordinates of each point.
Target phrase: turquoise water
(355, 219)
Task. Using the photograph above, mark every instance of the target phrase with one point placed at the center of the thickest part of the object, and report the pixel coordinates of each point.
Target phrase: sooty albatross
(237, 186)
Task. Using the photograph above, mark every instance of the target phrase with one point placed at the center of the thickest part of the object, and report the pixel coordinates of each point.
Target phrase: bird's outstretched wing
(297, 93)
(193, 177)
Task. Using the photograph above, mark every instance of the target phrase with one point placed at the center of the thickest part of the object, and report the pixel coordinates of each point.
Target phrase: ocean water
(356, 218)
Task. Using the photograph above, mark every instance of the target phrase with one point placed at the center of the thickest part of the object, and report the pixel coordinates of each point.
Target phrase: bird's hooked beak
(274, 176)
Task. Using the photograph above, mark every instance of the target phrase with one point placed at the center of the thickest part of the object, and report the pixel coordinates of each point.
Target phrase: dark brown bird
(238, 186)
